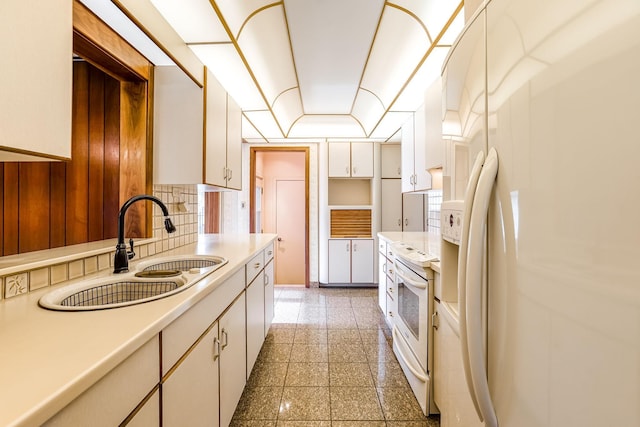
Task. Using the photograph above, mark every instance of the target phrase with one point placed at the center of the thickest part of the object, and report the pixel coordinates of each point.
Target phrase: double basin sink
(152, 280)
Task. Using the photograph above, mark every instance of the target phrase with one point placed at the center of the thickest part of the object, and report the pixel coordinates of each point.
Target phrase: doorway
(279, 204)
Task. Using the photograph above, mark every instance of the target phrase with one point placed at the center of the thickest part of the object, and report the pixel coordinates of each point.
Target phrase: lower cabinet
(190, 394)
(255, 319)
(350, 261)
(269, 297)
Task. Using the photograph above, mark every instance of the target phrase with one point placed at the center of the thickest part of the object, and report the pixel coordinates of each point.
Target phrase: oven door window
(409, 308)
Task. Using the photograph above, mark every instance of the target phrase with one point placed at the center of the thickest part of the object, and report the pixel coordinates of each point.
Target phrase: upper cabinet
(35, 111)
(177, 128)
(223, 137)
(414, 173)
(434, 144)
(351, 160)
(390, 163)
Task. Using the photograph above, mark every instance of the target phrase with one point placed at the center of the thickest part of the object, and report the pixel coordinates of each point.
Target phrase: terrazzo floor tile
(328, 361)
(265, 374)
(310, 353)
(259, 403)
(307, 375)
(344, 353)
(355, 403)
(399, 403)
(305, 404)
(310, 336)
(350, 375)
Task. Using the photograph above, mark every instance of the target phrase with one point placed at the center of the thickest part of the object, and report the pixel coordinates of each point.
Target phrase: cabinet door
(390, 166)
(362, 261)
(362, 159)
(178, 116)
(233, 358)
(434, 148)
(190, 395)
(269, 299)
(407, 154)
(339, 160)
(412, 212)
(255, 320)
(215, 132)
(422, 180)
(339, 261)
(391, 209)
(149, 414)
(234, 145)
(382, 279)
(37, 75)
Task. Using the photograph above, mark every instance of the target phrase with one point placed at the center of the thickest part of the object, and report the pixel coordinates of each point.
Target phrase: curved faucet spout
(122, 256)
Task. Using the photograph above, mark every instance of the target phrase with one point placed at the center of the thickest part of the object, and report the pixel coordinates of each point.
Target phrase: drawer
(253, 267)
(268, 253)
(382, 247)
(390, 269)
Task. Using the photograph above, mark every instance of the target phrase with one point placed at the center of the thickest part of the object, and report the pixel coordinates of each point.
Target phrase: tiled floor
(328, 362)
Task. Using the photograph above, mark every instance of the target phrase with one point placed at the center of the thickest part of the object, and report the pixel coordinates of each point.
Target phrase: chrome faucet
(122, 256)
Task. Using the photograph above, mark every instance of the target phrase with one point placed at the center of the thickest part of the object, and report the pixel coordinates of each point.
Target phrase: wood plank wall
(50, 204)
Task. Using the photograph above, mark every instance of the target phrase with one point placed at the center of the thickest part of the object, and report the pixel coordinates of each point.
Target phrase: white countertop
(48, 358)
(425, 242)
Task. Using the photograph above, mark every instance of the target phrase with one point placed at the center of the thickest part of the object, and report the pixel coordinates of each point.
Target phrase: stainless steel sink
(151, 280)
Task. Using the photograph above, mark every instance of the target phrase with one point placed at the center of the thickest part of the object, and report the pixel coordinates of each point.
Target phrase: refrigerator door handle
(462, 274)
(475, 335)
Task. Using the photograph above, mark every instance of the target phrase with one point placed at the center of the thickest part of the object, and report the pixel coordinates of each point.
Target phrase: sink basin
(152, 280)
(111, 292)
(188, 263)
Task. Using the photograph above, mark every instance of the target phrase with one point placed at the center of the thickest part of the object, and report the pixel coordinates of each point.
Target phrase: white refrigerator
(547, 94)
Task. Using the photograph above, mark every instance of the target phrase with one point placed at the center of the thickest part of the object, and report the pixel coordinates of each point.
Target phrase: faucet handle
(131, 253)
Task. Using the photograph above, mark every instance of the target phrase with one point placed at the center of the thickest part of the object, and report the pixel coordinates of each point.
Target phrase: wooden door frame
(252, 189)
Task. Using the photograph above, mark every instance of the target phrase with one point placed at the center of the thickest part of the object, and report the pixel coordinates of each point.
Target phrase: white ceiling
(303, 69)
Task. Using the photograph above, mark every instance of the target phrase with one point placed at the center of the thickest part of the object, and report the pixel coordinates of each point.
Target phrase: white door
(339, 261)
(391, 212)
(290, 227)
(412, 212)
(362, 159)
(339, 160)
(362, 261)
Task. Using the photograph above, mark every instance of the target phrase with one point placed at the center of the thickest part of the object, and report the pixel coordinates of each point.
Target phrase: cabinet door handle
(270, 252)
(224, 172)
(266, 279)
(355, 247)
(346, 170)
(347, 247)
(225, 338)
(399, 170)
(384, 268)
(390, 291)
(230, 174)
(216, 348)
(355, 170)
(399, 221)
(257, 265)
(406, 221)
(391, 314)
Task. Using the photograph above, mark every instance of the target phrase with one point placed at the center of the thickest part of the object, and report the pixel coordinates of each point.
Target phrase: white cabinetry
(386, 294)
(36, 84)
(223, 140)
(400, 211)
(353, 160)
(269, 299)
(390, 161)
(233, 353)
(449, 384)
(414, 174)
(177, 127)
(434, 144)
(350, 261)
(255, 319)
(110, 401)
(190, 395)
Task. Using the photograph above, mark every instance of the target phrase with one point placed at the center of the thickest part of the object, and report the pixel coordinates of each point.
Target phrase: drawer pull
(216, 348)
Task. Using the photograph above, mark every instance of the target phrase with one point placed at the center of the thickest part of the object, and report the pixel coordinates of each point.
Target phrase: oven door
(413, 311)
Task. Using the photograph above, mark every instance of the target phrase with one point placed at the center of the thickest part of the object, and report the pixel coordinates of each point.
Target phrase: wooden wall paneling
(11, 203)
(33, 216)
(133, 159)
(111, 157)
(212, 212)
(77, 176)
(96, 155)
(1, 209)
(57, 204)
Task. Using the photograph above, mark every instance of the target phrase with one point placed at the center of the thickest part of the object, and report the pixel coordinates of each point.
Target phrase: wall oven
(412, 333)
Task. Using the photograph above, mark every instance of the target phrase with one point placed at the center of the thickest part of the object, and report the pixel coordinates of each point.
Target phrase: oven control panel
(451, 220)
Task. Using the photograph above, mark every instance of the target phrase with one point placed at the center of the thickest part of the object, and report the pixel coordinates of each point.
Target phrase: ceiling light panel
(264, 42)
(331, 40)
(400, 45)
(412, 97)
(433, 14)
(329, 126)
(264, 123)
(236, 13)
(287, 108)
(368, 110)
(227, 67)
(390, 123)
(194, 20)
